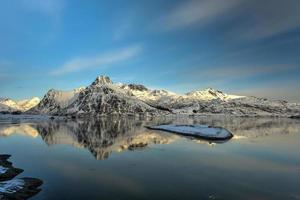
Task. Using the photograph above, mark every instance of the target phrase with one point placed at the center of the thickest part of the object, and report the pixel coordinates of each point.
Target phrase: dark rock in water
(7, 171)
(197, 131)
(295, 117)
(19, 188)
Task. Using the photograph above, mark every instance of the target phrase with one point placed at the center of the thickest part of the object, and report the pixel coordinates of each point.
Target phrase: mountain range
(9, 105)
(104, 97)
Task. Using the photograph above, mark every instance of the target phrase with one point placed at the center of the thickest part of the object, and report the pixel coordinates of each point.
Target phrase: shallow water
(117, 158)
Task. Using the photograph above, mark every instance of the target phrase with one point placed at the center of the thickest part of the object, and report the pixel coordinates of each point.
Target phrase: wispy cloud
(246, 71)
(102, 60)
(274, 90)
(255, 19)
(52, 8)
(268, 18)
(195, 12)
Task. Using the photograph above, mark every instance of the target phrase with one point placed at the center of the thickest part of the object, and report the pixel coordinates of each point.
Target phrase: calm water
(97, 159)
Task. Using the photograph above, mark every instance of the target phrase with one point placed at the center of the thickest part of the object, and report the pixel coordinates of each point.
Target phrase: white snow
(10, 105)
(3, 170)
(29, 103)
(196, 130)
(211, 94)
(11, 186)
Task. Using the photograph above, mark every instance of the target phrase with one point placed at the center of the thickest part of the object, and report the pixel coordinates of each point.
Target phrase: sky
(237, 46)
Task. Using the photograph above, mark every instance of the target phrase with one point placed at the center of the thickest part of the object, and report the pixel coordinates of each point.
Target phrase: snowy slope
(104, 97)
(7, 104)
(211, 94)
(101, 97)
(10, 105)
(211, 101)
(29, 103)
(55, 101)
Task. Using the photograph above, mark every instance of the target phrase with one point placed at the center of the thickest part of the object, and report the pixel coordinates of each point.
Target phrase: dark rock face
(137, 87)
(19, 188)
(48, 104)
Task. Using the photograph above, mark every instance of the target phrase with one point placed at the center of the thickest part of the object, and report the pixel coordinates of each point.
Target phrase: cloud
(195, 12)
(246, 71)
(274, 90)
(252, 20)
(49, 7)
(122, 31)
(102, 60)
(269, 18)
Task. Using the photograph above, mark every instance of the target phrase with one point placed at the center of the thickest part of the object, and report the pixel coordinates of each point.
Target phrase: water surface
(117, 158)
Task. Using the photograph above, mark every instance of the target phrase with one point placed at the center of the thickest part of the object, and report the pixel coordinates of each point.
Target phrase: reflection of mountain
(106, 135)
(248, 126)
(22, 129)
(103, 136)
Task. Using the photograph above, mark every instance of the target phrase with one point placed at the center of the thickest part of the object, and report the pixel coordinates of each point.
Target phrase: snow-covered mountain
(9, 105)
(55, 101)
(104, 97)
(29, 103)
(101, 97)
(211, 101)
(211, 94)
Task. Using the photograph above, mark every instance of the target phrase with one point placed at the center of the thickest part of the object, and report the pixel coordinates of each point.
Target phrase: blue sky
(238, 46)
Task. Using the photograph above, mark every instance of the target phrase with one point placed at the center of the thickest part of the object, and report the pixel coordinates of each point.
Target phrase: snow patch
(12, 186)
(202, 131)
(3, 170)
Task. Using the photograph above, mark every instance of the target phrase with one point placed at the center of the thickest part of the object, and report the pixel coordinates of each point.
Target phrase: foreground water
(117, 158)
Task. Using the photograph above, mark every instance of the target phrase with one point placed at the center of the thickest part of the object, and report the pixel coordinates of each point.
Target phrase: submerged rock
(197, 131)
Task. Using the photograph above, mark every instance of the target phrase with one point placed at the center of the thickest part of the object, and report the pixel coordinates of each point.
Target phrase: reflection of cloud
(98, 61)
(22, 129)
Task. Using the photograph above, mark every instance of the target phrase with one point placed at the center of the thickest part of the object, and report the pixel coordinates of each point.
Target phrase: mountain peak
(102, 80)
